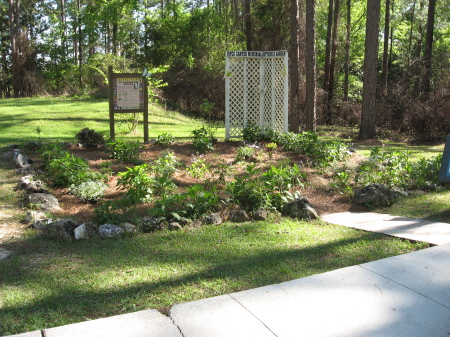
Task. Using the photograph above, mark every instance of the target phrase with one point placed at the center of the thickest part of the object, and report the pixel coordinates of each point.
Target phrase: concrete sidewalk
(406, 295)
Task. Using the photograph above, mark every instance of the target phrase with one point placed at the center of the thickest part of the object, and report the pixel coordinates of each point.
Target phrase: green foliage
(199, 169)
(203, 140)
(50, 152)
(255, 189)
(89, 137)
(165, 139)
(163, 170)
(68, 170)
(244, 153)
(125, 152)
(89, 191)
(137, 182)
(271, 147)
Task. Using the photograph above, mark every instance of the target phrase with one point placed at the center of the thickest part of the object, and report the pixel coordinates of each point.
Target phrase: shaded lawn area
(50, 283)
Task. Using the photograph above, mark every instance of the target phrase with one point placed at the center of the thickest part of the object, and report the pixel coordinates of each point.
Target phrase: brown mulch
(316, 187)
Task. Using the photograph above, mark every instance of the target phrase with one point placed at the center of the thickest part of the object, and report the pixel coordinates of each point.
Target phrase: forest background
(383, 65)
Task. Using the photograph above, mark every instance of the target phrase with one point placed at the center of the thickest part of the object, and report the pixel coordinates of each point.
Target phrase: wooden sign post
(128, 93)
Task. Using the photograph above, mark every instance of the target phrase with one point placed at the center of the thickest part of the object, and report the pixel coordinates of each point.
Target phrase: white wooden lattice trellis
(256, 91)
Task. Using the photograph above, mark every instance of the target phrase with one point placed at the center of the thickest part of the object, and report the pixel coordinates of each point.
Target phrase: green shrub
(199, 169)
(89, 191)
(51, 151)
(137, 182)
(244, 153)
(68, 170)
(203, 140)
(89, 137)
(125, 152)
(165, 139)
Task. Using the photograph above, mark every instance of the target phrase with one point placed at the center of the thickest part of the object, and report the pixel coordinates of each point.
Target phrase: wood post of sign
(128, 93)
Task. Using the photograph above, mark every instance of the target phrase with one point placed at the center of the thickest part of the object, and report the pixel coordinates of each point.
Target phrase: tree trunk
(326, 77)
(294, 76)
(332, 65)
(368, 113)
(426, 82)
(347, 50)
(14, 28)
(384, 73)
(310, 104)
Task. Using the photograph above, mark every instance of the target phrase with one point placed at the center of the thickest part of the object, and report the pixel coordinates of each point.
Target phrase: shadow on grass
(245, 267)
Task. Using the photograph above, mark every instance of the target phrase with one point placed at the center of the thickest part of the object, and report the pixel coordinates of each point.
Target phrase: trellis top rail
(277, 53)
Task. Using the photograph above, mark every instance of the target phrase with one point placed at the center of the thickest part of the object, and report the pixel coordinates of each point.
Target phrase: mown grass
(49, 283)
(61, 119)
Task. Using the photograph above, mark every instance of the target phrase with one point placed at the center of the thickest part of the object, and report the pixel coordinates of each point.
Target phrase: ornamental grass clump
(89, 191)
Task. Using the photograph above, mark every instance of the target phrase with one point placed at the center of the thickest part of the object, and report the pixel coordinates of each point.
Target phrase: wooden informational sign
(127, 94)
(444, 173)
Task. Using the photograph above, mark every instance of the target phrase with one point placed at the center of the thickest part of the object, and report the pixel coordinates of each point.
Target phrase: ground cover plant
(48, 283)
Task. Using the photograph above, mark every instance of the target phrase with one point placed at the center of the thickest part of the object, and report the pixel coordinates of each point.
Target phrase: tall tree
(294, 74)
(387, 20)
(310, 65)
(369, 107)
(426, 81)
(347, 49)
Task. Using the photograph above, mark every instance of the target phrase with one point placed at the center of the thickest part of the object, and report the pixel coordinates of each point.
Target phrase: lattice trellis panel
(256, 91)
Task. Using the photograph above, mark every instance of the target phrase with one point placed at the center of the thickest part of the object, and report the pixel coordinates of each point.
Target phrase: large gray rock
(213, 219)
(300, 208)
(109, 231)
(60, 229)
(22, 160)
(260, 214)
(86, 230)
(34, 216)
(45, 202)
(129, 228)
(377, 195)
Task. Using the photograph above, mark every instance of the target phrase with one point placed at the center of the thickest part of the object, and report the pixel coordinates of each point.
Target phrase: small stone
(238, 216)
(22, 160)
(109, 231)
(150, 224)
(34, 216)
(40, 224)
(300, 209)
(86, 230)
(4, 253)
(213, 219)
(45, 202)
(260, 214)
(129, 228)
(61, 229)
(174, 226)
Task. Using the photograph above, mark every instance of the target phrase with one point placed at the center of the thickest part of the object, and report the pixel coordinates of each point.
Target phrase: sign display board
(444, 173)
(128, 93)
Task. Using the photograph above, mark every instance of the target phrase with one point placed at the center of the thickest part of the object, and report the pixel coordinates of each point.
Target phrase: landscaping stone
(260, 214)
(109, 231)
(22, 160)
(300, 208)
(239, 216)
(60, 229)
(213, 219)
(86, 230)
(40, 224)
(45, 202)
(377, 195)
(150, 224)
(30, 185)
(174, 226)
(129, 228)
(5, 254)
(34, 216)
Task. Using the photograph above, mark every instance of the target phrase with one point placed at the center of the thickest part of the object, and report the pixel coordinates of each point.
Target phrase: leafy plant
(68, 170)
(271, 147)
(165, 139)
(199, 169)
(89, 191)
(125, 152)
(244, 153)
(203, 140)
(89, 137)
(137, 182)
(51, 151)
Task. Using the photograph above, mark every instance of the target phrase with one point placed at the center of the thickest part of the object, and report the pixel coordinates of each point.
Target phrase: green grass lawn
(62, 118)
(49, 283)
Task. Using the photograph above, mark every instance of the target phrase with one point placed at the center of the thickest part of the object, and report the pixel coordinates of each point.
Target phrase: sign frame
(114, 91)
